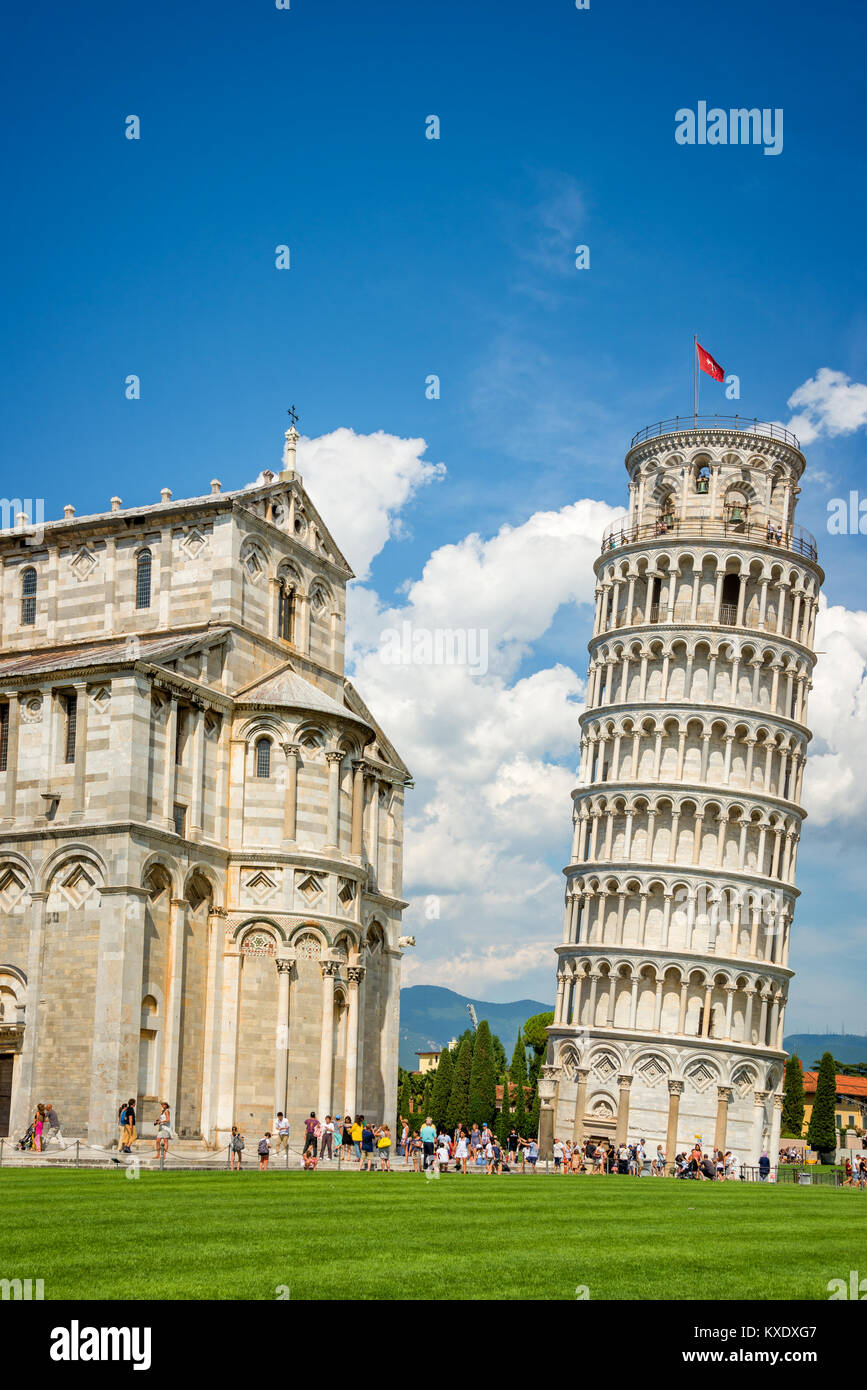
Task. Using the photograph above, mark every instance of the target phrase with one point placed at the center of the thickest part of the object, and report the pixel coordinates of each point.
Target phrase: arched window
(28, 597)
(286, 610)
(263, 757)
(143, 580)
(702, 479)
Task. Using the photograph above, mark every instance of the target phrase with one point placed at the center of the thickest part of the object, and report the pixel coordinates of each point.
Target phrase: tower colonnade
(672, 973)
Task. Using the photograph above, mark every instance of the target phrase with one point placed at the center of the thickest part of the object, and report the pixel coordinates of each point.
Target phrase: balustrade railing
(797, 540)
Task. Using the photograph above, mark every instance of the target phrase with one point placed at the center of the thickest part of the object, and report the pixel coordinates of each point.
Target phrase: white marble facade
(673, 971)
(201, 854)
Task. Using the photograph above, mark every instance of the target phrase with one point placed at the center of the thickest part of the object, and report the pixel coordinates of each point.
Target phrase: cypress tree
(427, 1094)
(793, 1100)
(459, 1100)
(519, 1078)
(483, 1079)
(404, 1100)
(822, 1134)
(442, 1089)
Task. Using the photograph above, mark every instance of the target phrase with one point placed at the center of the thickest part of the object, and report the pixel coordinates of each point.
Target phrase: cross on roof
(293, 417)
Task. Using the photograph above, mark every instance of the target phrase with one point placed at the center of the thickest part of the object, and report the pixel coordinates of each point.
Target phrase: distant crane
(472, 1013)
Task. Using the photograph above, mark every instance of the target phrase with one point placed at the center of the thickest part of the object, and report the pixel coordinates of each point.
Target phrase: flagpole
(694, 381)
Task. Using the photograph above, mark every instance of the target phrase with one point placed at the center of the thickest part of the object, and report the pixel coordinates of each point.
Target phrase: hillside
(430, 1017)
(846, 1047)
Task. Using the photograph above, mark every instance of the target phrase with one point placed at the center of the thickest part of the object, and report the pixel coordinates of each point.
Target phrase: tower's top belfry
(717, 477)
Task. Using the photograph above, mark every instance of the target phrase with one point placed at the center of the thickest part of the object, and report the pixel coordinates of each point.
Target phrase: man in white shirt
(281, 1129)
(326, 1138)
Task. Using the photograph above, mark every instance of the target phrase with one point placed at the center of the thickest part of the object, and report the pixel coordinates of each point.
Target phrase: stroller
(27, 1141)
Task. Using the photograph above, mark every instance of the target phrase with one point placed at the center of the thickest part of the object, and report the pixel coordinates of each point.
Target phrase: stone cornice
(697, 709)
(678, 956)
(713, 633)
(633, 868)
(694, 791)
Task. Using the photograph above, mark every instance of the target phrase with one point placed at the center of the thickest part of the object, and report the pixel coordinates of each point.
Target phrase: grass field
(374, 1236)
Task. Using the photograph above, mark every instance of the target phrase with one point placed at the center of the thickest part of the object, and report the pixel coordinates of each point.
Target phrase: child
(383, 1143)
(264, 1151)
(236, 1148)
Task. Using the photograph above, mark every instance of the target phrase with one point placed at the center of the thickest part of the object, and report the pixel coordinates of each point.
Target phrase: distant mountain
(845, 1047)
(430, 1017)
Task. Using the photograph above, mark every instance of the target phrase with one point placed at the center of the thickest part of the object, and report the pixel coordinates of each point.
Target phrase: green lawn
(222, 1235)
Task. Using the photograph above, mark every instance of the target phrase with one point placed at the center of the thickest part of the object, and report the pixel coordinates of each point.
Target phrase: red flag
(707, 364)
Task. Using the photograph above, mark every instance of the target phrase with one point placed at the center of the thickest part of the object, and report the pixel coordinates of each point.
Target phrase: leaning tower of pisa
(673, 972)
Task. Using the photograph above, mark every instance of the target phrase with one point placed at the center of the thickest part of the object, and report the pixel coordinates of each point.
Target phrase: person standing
(357, 1131)
(129, 1135)
(264, 1151)
(282, 1130)
(383, 1145)
(311, 1133)
(327, 1141)
(52, 1128)
(164, 1129)
(461, 1150)
(38, 1127)
(764, 1168)
(367, 1143)
(428, 1139)
(404, 1141)
(236, 1148)
(347, 1137)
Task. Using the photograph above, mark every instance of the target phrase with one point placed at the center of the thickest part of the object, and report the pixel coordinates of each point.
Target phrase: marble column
(582, 1074)
(334, 759)
(675, 1091)
(281, 1065)
(292, 752)
(624, 1081)
(328, 969)
(723, 1100)
(170, 1064)
(355, 975)
(357, 843)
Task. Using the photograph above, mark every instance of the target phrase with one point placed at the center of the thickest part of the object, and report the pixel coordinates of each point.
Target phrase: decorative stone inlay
(258, 943)
(308, 947)
(310, 888)
(83, 564)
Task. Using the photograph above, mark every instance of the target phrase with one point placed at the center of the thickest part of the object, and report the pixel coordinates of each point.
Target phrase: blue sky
(409, 256)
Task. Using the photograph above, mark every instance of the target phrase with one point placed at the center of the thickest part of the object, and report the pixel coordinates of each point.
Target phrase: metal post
(1, 1152)
(77, 1143)
(229, 1156)
(162, 1158)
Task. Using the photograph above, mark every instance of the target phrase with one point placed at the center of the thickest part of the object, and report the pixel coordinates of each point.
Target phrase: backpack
(264, 1147)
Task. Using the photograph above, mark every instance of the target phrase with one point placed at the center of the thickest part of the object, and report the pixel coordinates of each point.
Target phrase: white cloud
(493, 754)
(829, 403)
(360, 483)
(834, 786)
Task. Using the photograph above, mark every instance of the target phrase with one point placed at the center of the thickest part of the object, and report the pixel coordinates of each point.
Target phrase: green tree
(483, 1079)
(518, 1073)
(442, 1089)
(501, 1065)
(459, 1100)
(822, 1134)
(427, 1095)
(793, 1099)
(404, 1099)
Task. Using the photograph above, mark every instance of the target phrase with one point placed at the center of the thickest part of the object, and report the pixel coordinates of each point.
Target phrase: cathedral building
(201, 851)
(673, 972)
